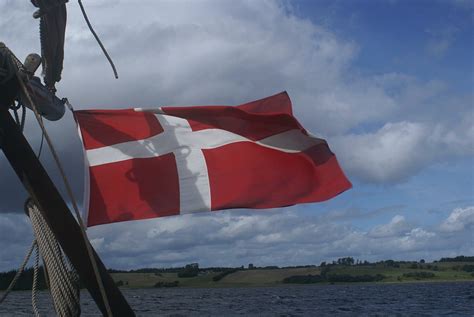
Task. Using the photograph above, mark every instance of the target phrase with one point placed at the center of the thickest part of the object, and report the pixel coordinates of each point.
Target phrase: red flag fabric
(177, 160)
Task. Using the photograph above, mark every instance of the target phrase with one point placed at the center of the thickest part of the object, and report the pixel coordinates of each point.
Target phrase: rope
(92, 259)
(23, 117)
(19, 272)
(41, 146)
(63, 280)
(35, 283)
(42, 141)
(71, 197)
(4, 49)
(97, 39)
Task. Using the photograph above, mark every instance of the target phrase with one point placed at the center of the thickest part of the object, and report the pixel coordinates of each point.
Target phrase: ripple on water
(441, 299)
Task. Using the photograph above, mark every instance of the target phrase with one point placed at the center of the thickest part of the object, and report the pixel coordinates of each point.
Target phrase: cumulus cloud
(212, 52)
(398, 150)
(395, 227)
(276, 237)
(416, 239)
(393, 152)
(227, 52)
(383, 127)
(460, 219)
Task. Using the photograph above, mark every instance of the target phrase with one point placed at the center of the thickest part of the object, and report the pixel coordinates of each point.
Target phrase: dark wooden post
(53, 208)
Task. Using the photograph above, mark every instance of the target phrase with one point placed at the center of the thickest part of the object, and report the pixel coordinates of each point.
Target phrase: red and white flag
(146, 163)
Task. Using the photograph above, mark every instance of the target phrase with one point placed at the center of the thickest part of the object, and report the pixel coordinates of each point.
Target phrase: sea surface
(417, 299)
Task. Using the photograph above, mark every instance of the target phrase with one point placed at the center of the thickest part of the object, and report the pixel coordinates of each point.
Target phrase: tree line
(193, 269)
(25, 281)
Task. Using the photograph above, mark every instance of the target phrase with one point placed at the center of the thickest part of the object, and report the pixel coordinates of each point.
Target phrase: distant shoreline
(276, 285)
(380, 273)
(340, 272)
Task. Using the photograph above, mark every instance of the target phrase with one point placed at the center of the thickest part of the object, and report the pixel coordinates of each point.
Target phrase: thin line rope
(71, 197)
(19, 272)
(35, 283)
(41, 145)
(97, 39)
(64, 284)
(42, 141)
(5, 49)
(23, 117)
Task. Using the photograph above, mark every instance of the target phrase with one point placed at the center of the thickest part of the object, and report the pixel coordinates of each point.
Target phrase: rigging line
(16, 61)
(23, 117)
(41, 146)
(97, 39)
(71, 197)
(34, 301)
(19, 272)
(42, 141)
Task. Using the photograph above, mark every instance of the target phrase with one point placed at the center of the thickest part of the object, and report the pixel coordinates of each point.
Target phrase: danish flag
(146, 163)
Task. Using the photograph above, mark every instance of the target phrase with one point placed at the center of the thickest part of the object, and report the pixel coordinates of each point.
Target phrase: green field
(442, 272)
(204, 279)
(404, 273)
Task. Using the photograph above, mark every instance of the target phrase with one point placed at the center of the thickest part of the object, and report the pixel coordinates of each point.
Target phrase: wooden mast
(53, 208)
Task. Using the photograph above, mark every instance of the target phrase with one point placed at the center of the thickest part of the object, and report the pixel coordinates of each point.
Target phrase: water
(419, 299)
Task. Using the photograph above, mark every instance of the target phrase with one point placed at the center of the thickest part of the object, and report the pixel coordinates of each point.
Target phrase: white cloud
(281, 237)
(228, 52)
(393, 152)
(277, 237)
(384, 128)
(212, 52)
(395, 227)
(398, 150)
(418, 239)
(459, 219)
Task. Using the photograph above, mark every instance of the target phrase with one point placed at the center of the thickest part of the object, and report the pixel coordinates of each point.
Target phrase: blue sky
(389, 84)
(403, 36)
(429, 40)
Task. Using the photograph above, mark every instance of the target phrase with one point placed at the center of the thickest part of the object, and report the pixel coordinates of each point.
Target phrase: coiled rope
(71, 197)
(63, 279)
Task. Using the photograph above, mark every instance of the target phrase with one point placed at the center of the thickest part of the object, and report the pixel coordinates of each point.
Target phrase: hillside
(344, 270)
(405, 272)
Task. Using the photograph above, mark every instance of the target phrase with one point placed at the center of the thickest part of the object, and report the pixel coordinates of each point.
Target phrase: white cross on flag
(176, 160)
